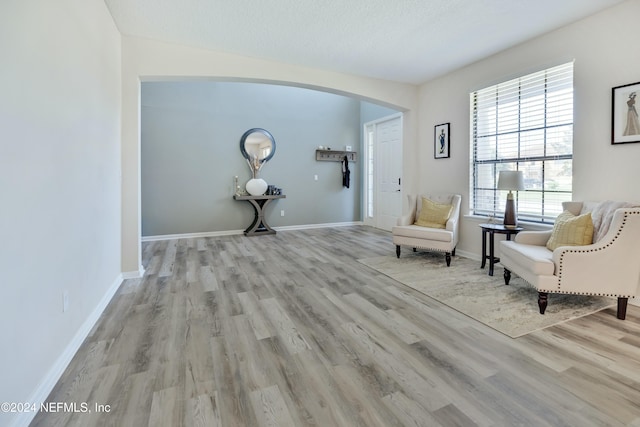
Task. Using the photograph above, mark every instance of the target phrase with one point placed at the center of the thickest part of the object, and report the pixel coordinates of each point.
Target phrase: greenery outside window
(524, 124)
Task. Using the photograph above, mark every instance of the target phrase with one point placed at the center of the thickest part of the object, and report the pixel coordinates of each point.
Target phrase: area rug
(512, 310)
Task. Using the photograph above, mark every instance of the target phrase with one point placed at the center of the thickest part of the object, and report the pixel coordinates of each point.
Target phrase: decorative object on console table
(625, 124)
(441, 141)
(257, 186)
(511, 181)
(238, 191)
(272, 190)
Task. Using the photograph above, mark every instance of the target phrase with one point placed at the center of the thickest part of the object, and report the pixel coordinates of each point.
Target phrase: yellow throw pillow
(433, 215)
(571, 230)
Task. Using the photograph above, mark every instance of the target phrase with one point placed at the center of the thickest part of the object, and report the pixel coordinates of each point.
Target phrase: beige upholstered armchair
(609, 265)
(439, 216)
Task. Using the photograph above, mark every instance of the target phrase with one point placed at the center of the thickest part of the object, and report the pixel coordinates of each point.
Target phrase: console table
(492, 229)
(259, 225)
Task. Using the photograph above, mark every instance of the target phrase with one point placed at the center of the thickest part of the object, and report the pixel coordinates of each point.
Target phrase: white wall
(147, 60)
(605, 50)
(59, 185)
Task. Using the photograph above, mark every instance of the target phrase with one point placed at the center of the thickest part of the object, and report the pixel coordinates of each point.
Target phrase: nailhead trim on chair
(624, 221)
(577, 293)
(428, 248)
(586, 293)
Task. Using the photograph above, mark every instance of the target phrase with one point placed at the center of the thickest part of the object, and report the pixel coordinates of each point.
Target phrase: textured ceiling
(409, 41)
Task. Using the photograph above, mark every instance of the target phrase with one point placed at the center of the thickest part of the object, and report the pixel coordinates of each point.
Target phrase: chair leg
(447, 256)
(453, 252)
(415, 249)
(507, 276)
(398, 251)
(542, 301)
(622, 308)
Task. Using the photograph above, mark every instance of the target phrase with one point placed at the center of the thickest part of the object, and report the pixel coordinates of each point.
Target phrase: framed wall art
(441, 141)
(625, 125)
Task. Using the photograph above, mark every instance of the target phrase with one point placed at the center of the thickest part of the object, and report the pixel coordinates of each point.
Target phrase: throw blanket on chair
(602, 214)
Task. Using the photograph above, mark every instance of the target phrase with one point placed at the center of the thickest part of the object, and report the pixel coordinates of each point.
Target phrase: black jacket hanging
(346, 173)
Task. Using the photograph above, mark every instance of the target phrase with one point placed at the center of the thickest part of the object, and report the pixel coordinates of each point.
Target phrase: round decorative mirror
(257, 146)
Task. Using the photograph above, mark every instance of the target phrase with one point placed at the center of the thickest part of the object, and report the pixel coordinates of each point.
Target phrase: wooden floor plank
(202, 412)
(270, 408)
(285, 328)
(290, 330)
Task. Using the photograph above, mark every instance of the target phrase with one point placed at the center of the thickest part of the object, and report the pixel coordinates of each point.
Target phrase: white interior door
(383, 146)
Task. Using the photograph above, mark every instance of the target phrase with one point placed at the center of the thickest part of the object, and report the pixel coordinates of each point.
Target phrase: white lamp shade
(511, 180)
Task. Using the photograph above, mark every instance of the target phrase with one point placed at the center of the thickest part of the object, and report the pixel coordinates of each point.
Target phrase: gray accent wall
(190, 155)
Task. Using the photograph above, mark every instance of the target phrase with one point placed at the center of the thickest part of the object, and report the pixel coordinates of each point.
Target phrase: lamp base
(510, 218)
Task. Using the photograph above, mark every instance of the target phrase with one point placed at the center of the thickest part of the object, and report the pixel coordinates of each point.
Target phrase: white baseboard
(49, 381)
(133, 274)
(311, 226)
(191, 235)
(235, 232)
(470, 255)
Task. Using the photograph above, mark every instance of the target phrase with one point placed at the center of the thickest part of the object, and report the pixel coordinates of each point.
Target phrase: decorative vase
(256, 186)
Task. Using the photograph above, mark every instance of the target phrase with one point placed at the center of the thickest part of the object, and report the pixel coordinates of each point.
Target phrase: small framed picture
(625, 125)
(441, 141)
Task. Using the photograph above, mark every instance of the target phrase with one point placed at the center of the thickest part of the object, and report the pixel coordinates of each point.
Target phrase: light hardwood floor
(290, 330)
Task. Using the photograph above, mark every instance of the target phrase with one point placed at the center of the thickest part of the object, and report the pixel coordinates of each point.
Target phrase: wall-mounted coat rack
(335, 155)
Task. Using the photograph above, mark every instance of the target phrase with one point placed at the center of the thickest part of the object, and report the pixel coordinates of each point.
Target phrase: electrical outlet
(65, 301)
(315, 177)
(282, 212)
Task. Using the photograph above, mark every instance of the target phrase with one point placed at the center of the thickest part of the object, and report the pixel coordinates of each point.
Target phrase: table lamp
(511, 181)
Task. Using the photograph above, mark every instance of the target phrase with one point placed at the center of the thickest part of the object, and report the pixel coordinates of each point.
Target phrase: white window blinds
(524, 124)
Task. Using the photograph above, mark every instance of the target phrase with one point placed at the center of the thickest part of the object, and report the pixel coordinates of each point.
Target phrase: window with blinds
(524, 124)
